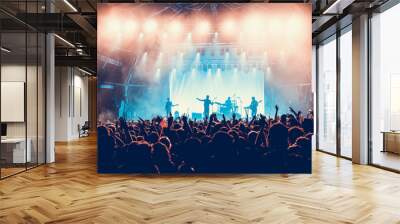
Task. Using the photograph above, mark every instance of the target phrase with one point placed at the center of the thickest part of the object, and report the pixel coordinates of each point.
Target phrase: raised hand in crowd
(185, 145)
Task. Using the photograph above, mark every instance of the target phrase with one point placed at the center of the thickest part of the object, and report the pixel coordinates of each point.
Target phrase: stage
(184, 52)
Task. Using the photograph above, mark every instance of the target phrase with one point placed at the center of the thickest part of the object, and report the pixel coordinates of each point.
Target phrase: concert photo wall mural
(190, 88)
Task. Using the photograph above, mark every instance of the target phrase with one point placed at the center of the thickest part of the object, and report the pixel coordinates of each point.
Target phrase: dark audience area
(279, 144)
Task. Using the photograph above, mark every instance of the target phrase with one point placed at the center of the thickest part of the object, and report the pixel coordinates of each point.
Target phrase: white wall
(16, 73)
(61, 103)
(33, 127)
(71, 102)
(80, 110)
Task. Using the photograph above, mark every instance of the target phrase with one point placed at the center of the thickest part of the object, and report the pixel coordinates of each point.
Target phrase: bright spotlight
(144, 57)
(254, 21)
(175, 27)
(228, 27)
(158, 73)
(268, 74)
(294, 26)
(150, 25)
(265, 57)
(203, 27)
(173, 72)
(112, 25)
(160, 58)
(129, 28)
(197, 57)
(253, 25)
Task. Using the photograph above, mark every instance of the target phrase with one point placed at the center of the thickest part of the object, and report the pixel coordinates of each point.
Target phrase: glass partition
(41, 97)
(22, 78)
(31, 97)
(14, 153)
(346, 93)
(385, 89)
(327, 96)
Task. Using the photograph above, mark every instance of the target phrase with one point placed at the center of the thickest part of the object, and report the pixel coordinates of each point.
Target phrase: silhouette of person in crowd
(169, 145)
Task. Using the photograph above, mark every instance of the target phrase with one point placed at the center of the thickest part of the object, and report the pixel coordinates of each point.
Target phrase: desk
(391, 141)
(13, 150)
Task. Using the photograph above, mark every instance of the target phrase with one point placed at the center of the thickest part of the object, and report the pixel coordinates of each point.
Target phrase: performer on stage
(253, 106)
(122, 108)
(206, 102)
(228, 105)
(168, 106)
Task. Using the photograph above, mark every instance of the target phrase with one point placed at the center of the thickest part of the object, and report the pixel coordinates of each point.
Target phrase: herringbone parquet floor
(70, 191)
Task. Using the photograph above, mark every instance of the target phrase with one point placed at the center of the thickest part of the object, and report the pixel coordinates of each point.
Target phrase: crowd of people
(259, 144)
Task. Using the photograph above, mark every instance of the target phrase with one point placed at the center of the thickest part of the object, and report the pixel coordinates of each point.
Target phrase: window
(346, 93)
(385, 88)
(327, 96)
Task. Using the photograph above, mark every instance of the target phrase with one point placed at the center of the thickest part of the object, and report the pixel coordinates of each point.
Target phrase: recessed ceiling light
(70, 5)
(64, 40)
(84, 71)
(5, 50)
